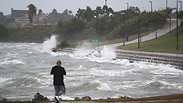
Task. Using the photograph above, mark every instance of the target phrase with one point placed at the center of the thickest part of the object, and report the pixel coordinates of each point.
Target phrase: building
(24, 19)
(42, 16)
(21, 16)
(18, 13)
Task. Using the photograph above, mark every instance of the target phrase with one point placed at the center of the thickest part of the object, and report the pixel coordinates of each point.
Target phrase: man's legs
(56, 90)
(59, 90)
(56, 93)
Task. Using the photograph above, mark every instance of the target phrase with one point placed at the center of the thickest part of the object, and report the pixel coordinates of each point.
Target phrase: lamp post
(106, 2)
(124, 30)
(170, 21)
(157, 25)
(177, 31)
(151, 5)
(166, 4)
(138, 29)
(127, 6)
(180, 10)
(177, 26)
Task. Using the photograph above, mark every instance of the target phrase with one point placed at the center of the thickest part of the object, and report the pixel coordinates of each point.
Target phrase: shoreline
(175, 98)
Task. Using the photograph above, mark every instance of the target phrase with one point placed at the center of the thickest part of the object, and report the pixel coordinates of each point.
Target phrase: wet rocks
(121, 96)
(77, 98)
(86, 98)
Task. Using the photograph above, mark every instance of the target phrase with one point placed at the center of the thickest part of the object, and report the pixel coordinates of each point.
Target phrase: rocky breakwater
(88, 98)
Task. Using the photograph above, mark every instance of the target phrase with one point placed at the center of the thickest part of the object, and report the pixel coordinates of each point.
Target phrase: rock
(121, 96)
(108, 98)
(86, 98)
(77, 98)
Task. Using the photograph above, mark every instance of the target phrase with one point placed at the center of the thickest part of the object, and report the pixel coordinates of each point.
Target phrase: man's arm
(64, 72)
(51, 71)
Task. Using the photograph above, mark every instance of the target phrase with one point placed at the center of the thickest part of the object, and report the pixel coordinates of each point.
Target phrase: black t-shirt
(58, 73)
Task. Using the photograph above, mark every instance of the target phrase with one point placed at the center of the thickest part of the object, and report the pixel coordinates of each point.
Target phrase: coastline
(174, 98)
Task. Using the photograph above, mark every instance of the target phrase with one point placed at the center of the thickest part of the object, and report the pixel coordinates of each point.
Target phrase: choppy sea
(25, 70)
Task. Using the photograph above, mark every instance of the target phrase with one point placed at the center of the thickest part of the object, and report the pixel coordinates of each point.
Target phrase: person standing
(126, 37)
(58, 73)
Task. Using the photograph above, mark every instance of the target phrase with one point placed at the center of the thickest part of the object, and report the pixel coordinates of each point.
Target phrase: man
(126, 37)
(58, 80)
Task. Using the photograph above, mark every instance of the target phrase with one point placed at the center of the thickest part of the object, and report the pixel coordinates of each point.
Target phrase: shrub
(39, 97)
(63, 44)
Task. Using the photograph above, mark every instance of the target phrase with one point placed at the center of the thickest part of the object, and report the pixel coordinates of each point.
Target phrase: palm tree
(40, 12)
(32, 10)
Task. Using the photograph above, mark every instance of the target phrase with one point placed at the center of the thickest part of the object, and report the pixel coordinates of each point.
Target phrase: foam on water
(84, 51)
(6, 62)
(103, 86)
(4, 79)
(108, 53)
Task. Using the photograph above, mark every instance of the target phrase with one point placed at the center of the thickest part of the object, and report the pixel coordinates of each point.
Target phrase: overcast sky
(60, 5)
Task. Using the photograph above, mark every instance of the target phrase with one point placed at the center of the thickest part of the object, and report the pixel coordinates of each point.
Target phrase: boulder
(77, 98)
(86, 98)
(121, 96)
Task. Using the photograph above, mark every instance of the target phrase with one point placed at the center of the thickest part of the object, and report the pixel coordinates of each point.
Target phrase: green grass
(165, 43)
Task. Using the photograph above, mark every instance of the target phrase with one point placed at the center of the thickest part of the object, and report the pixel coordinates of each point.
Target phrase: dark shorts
(59, 89)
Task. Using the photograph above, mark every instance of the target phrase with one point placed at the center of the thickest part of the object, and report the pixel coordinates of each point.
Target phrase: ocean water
(25, 70)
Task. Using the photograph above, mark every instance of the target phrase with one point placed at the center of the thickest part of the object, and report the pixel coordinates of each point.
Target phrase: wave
(42, 80)
(102, 86)
(16, 61)
(105, 53)
(90, 86)
(4, 79)
(164, 85)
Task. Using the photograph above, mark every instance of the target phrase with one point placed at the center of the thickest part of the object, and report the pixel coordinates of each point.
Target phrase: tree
(4, 20)
(1, 14)
(40, 12)
(4, 31)
(70, 12)
(32, 10)
(107, 10)
(65, 12)
(98, 11)
(80, 13)
(89, 14)
(54, 14)
(72, 25)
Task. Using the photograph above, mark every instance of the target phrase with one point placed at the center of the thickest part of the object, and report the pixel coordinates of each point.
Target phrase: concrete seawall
(155, 57)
